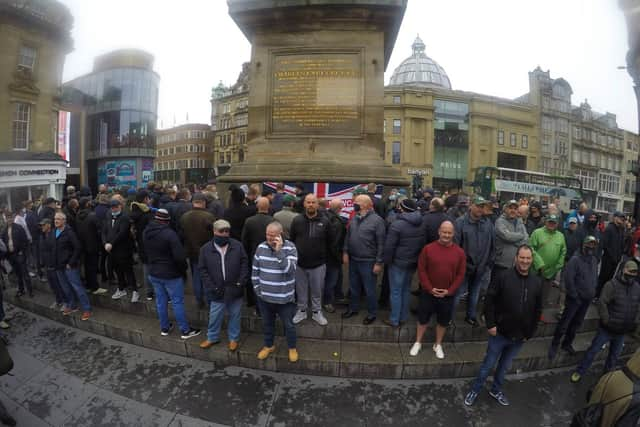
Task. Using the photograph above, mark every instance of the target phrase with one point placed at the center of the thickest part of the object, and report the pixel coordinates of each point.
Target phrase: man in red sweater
(441, 268)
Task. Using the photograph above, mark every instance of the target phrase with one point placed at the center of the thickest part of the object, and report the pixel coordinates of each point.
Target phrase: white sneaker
(32, 274)
(119, 294)
(100, 291)
(135, 296)
(300, 316)
(319, 318)
(4, 325)
(415, 349)
(438, 350)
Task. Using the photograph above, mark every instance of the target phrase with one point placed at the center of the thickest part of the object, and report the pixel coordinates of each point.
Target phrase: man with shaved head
(363, 251)
(253, 234)
(441, 268)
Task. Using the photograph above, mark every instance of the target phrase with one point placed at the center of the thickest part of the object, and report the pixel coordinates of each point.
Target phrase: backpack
(591, 415)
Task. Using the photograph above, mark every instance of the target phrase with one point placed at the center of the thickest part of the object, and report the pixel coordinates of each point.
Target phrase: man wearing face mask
(534, 220)
(224, 270)
(119, 244)
(612, 248)
(580, 281)
(363, 252)
(619, 315)
(590, 228)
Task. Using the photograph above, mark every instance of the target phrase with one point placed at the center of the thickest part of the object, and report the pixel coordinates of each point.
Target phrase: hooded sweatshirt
(404, 241)
(165, 254)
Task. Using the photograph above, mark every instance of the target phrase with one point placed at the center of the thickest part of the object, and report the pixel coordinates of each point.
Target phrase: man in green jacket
(549, 251)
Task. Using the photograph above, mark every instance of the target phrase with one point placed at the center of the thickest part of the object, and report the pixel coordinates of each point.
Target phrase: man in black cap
(118, 244)
(612, 246)
(403, 244)
(534, 219)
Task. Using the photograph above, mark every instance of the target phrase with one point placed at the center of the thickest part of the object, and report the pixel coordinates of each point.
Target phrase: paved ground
(66, 377)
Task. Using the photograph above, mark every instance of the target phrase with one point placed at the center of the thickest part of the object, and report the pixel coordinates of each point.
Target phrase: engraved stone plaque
(316, 94)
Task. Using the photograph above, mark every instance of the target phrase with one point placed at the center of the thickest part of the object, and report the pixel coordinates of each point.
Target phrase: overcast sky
(485, 46)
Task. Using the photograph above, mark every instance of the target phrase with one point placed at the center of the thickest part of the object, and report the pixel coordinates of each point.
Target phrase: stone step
(327, 357)
(337, 329)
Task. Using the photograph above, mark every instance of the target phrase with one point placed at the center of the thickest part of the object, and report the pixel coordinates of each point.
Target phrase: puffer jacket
(510, 233)
(618, 305)
(404, 241)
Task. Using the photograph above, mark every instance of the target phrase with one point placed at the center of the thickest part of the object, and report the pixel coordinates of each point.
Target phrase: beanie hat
(162, 215)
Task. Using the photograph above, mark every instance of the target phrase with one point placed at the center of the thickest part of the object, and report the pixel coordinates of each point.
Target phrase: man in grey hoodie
(511, 233)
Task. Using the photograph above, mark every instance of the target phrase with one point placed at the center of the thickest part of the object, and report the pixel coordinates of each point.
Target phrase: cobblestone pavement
(67, 377)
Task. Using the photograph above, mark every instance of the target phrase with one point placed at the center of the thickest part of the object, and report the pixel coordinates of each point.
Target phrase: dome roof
(420, 70)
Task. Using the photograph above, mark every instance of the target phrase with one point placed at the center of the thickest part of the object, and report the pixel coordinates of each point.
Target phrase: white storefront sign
(18, 174)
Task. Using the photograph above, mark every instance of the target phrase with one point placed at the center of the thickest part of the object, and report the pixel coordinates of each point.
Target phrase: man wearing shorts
(441, 268)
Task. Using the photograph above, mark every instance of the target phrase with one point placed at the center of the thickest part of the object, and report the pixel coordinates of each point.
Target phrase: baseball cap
(551, 218)
(574, 220)
(199, 197)
(45, 221)
(221, 224)
(618, 214)
(479, 200)
(512, 203)
(114, 202)
(631, 266)
(589, 239)
(49, 200)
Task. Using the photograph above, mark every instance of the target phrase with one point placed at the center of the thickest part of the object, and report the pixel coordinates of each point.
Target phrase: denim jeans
(195, 279)
(216, 315)
(502, 350)
(71, 284)
(145, 278)
(54, 284)
(602, 337)
(472, 283)
(333, 284)
(361, 275)
(286, 311)
(571, 320)
(400, 286)
(174, 289)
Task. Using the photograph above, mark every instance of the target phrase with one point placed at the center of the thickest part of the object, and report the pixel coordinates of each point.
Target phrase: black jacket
(236, 269)
(32, 224)
(118, 234)
(313, 238)
(165, 254)
(573, 240)
(431, 223)
(67, 249)
(513, 304)
(88, 231)
(237, 215)
(405, 240)
(581, 276)
(612, 243)
(254, 232)
(365, 238)
(533, 223)
(618, 305)
(48, 250)
(216, 208)
(140, 217)
(339, 231)
(177, 209)
(19, 237)
(47, 213)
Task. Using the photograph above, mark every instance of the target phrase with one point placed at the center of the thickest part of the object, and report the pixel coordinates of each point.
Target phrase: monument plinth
(316, 101)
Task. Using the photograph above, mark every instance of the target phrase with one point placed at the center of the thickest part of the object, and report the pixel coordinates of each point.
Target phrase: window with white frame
(609, 183)
(588, 179)
(27, 57)
(500, 137)
(21, 125)
(525, 141)
(397, 126)
(512, 139)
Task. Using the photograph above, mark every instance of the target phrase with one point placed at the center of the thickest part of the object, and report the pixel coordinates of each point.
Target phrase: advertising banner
(117, 173)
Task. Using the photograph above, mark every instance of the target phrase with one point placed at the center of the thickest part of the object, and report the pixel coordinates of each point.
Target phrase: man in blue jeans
(512, 308)
(167, 267)
(224, 269)
(363, 252)
(619, 315)
(67, 252)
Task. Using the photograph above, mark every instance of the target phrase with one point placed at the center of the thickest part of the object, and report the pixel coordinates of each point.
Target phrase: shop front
(22, 180)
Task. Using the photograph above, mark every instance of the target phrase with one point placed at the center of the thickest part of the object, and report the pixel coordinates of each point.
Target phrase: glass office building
(116, 109)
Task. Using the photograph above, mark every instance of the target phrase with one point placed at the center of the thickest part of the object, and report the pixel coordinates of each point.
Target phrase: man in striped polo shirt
(273, 278)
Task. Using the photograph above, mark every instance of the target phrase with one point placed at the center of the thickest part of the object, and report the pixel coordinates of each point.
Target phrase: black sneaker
(470, 320)
(190, 334)
(569, 349)
(165, 332)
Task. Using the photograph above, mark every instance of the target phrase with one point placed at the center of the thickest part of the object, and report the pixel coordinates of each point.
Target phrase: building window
(395, 153)
(396, 100)
(27, 57)
(512, 140)
(221, 158)
(21, 118)
(229, 158)
(500, 137)
(397, 126)
(241, 156)
(525, 141)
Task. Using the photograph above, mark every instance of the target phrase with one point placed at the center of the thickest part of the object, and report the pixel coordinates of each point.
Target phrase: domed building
(420, 70)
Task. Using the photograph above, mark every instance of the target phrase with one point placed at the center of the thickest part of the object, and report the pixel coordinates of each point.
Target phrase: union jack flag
(328, 191)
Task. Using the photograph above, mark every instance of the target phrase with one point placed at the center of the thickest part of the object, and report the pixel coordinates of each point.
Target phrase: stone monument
(317, 89)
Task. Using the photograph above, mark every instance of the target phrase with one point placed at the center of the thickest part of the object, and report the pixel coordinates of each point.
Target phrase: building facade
(629, 165)
(184, 155)
(114, 119)
(34, 40)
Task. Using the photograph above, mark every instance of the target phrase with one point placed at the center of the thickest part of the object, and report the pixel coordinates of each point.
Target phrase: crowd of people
(283, 254)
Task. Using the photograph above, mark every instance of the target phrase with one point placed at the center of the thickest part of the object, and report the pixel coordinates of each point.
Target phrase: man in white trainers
(312, 234)
(441, 268)
(512, 309)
